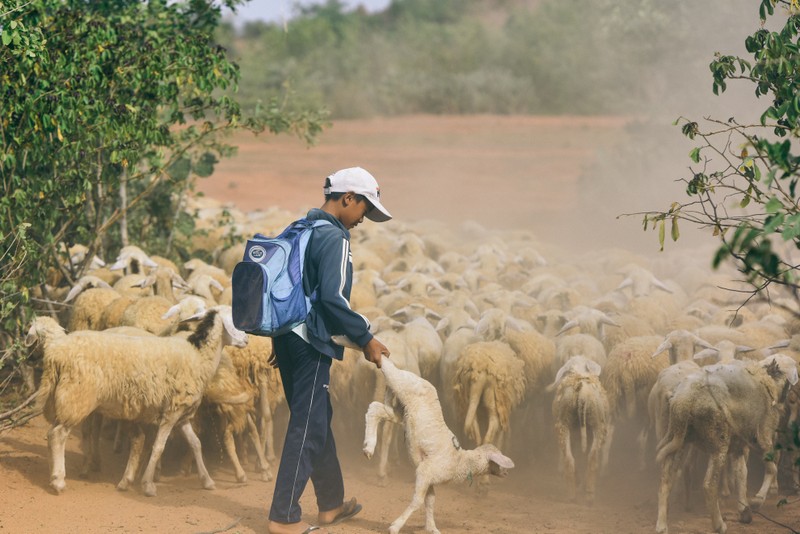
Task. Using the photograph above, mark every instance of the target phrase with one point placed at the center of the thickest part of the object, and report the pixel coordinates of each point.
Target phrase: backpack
(267, 285)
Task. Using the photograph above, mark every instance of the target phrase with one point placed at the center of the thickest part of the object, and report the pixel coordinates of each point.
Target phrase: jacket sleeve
(335, 273)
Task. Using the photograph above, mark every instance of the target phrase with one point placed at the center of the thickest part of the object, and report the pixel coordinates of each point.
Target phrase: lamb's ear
(500, 459)
(74, 292)
(665, 345)
(171, 312)
(706, 353)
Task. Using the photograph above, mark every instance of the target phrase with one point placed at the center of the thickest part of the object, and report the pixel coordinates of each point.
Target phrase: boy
(305, 354)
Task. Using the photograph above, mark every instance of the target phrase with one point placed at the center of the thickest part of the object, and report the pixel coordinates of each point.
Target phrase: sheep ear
(665, 345)
(569, 325)
(744, 348)
(792, 377)
(171, 312)
(660, 285)
(74, 292)
(706, 353)
(780, 344)
(625, 283)
(593, 367)
(500, 459)
(442, 325)
(216, 285)
(119, 264)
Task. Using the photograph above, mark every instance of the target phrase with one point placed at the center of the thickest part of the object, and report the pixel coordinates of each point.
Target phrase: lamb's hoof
(123, 485)
(149, 489)
(208, 484)
(745, 516)
(723, 528)
(383, 481)
(58, 486)
(241, 479)
(662, 529)
(266, 476)
(369, 450)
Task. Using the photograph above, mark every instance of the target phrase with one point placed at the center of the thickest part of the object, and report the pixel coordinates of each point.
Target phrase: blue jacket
(328, 279)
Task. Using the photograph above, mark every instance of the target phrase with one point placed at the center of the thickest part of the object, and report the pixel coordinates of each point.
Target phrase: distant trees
(477, 56)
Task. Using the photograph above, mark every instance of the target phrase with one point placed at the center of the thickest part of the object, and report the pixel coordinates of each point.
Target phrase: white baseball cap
(360, 182)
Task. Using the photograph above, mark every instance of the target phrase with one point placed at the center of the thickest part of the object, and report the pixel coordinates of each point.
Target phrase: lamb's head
(783, 370)
(208, 320)
(498, 463)
(43, 329)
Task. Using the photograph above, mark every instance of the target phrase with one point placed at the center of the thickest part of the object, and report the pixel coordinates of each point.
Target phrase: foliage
(476, 56)
(744, 177)
(100, 99)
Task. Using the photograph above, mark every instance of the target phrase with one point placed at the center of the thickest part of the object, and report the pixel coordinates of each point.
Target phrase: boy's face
(353, 210)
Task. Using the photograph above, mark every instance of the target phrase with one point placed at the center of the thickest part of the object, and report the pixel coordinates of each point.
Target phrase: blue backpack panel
(267, 285)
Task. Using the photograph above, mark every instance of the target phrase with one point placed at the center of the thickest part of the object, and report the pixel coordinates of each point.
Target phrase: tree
(108, 110)
(744, 176)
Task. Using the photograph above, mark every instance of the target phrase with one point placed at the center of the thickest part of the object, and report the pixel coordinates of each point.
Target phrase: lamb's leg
(420, 491)
(194, 444)
(387, 437)
(567, 460)
(134, 457)
(56, 442)
(376, 413)
(641, 439)
(430, 498)
(118, 434)
(262, 463)
(716, 463)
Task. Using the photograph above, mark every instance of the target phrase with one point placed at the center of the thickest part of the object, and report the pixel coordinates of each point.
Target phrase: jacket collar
(316, 214)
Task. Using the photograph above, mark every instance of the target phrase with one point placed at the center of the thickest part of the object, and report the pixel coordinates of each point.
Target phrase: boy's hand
(374, 351)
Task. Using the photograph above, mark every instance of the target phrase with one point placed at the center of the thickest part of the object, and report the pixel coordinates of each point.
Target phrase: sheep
(91, 298)
(580, 402)
(490, 375)
(681, 345)
(628, 377)
(133, 260)
(723, 410)
(578, 344)
(88, 371)
(433, 448)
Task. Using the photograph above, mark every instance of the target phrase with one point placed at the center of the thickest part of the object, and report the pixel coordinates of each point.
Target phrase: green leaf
(675, 232)
(661, 233)
(773, 205)
(695, 154)
(6, 36)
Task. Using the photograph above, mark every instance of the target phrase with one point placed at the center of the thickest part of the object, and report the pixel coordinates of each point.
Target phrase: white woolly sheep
(488, 375)
(434, 450)
(88, 371)
(722, 410)
(580, 403)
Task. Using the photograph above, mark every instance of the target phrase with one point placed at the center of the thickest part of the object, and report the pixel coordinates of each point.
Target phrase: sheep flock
(599, 361)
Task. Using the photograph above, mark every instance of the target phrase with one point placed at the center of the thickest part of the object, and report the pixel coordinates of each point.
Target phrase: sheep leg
(420, 491)
(164, 428)
(641, 439)
(567, 460)
(430, 498)
(194, 444)
(118, 436)
(740, 478)
(90, 441)
(770, 473)
(716, 463)
(669, 468)
(262, 463)
(266, 422)
(134, 457)
(56, 442)
(593, 464)
(230, 449)
(607, 449)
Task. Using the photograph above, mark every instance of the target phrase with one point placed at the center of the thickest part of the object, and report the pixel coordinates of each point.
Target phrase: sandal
(349, 509)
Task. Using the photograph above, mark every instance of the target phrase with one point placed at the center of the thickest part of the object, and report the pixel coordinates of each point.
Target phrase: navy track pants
(309, 450)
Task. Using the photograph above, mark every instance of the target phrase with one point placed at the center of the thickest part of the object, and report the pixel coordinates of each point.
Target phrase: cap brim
(378, 213)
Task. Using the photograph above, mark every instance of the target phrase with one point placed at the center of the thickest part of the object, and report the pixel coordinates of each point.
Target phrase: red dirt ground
(501, 171)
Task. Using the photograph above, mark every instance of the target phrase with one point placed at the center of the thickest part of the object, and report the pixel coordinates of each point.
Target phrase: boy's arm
(333, 256)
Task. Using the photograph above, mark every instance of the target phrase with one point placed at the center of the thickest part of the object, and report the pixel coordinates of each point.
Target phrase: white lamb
(142, 379)
(581, 403)
(433, 448)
